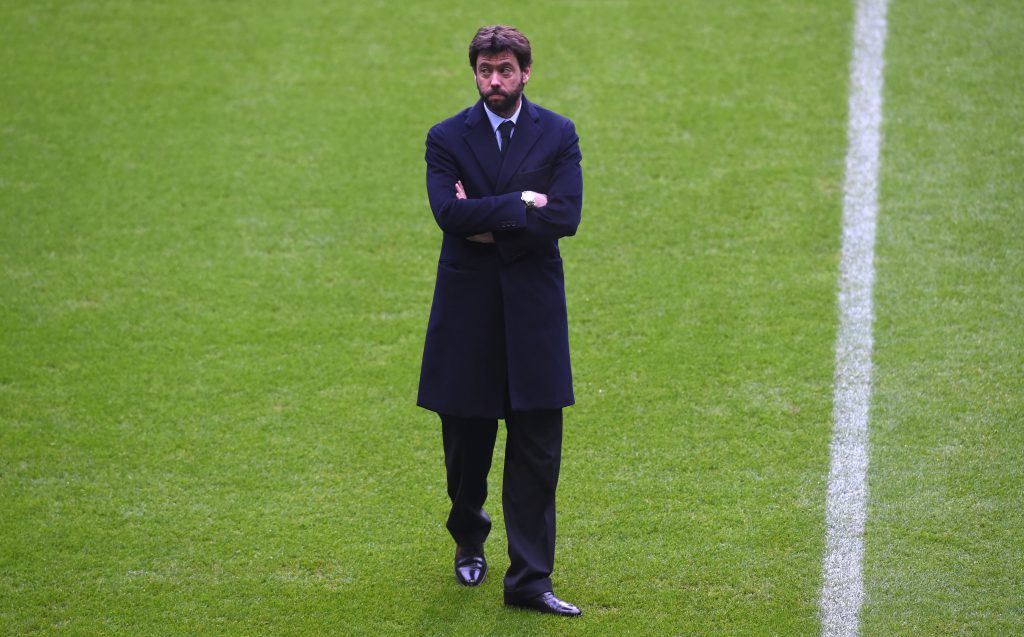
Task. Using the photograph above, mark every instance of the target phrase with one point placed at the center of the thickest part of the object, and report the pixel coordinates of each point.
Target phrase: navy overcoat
(498, 319)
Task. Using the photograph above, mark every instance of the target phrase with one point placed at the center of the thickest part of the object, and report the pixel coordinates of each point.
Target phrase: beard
(507, 104)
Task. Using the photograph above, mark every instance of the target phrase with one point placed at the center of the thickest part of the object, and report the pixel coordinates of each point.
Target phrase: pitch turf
(945, 524)
(216, 263)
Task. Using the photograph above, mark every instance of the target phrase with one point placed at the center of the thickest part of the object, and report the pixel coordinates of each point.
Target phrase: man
(504, 183)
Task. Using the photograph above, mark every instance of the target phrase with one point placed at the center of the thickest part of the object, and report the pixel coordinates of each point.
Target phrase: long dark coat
(498, 325)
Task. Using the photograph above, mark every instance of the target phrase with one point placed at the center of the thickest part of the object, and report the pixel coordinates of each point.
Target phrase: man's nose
(495, 80)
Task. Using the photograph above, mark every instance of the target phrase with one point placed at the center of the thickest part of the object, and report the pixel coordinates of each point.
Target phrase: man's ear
(526, 74)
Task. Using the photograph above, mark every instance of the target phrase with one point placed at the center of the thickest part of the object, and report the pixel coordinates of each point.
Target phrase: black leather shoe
(470, 565)
(546, 603)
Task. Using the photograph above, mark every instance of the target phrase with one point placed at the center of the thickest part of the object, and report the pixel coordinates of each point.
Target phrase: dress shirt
(496, 121)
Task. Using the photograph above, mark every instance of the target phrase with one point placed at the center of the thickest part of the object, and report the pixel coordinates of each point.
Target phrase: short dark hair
(499, 38)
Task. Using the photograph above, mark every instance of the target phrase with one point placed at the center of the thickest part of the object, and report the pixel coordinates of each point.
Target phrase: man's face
(500, 81)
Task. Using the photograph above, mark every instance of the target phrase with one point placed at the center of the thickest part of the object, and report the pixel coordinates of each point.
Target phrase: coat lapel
(480, 139)
(527, 132)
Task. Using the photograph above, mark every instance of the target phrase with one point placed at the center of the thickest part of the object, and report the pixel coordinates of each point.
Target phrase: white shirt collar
(496, 120)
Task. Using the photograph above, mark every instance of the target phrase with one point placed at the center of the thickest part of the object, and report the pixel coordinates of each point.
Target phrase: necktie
(505, 128)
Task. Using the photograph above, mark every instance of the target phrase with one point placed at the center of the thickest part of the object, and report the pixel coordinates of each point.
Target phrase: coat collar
(480, 138)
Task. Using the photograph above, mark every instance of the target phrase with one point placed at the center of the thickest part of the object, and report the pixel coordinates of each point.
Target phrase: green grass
(216, 264)
(946, 525)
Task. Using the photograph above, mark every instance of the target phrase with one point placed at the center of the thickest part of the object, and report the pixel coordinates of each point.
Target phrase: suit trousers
(533, 453)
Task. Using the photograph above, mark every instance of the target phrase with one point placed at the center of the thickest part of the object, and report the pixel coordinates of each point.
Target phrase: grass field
(217, 259)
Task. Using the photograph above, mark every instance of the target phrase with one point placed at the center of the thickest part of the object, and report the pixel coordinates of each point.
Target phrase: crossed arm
(503, 219)
(540, 200)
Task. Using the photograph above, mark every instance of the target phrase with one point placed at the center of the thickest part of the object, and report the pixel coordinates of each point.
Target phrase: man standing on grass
(504, 183)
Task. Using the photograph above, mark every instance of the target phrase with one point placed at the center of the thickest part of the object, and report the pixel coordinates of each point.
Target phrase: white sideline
(842, 593)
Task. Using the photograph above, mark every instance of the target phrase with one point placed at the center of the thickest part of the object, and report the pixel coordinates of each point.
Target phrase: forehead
(505, 57)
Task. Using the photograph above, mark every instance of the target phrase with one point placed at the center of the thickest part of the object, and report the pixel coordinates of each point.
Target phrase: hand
(539, 199)
(460, 192)
(485, 237)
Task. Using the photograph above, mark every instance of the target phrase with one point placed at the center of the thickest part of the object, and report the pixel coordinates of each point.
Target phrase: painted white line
(846, 505)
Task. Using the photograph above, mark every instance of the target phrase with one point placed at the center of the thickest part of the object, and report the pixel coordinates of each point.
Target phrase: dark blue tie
(505, 128)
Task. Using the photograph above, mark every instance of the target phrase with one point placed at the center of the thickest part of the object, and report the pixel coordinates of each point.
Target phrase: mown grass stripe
(846, 506)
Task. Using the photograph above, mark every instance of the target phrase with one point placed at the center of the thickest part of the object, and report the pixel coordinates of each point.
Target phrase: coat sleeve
(561, 216)
(465, 217)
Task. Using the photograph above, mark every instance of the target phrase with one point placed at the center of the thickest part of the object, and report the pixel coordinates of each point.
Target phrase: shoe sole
(539, 611)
